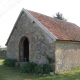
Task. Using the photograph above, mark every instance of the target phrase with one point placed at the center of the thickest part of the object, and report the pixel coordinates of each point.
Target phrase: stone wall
(40, 44)
(3, 53)
(67, 55)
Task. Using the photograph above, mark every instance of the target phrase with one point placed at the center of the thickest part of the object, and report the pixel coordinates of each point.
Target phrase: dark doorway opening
(26, 50)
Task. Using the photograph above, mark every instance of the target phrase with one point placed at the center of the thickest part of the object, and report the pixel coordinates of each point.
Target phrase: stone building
(35, 36)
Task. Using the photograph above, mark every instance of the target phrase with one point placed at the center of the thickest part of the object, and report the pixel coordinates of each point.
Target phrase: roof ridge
(61, 29)
(50, 17)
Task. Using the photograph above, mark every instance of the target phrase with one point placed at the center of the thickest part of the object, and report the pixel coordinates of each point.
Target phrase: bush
(31, 67)
(47, 69)
(50, 59)
(9, 62)
(28, 67)
(38, 69)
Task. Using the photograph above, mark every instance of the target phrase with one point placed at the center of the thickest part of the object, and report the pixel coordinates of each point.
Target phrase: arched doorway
(24, 49)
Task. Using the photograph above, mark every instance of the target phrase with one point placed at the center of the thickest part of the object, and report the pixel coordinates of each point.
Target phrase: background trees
(60, 16)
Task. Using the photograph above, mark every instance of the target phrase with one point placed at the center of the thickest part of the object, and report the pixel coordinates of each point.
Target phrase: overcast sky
(10, 9)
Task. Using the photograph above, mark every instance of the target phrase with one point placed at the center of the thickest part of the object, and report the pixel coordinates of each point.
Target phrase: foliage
(60, 16)
(10, 62)
(50, 59)
(2, 48)
(38, 69)
(14, 73)
(28, 67)
(31, 67)
(47, 69)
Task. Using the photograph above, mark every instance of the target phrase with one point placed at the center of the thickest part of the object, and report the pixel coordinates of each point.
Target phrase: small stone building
(35, 36)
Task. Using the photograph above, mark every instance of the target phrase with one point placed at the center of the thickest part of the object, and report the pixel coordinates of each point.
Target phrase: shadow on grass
(11, 73)
(14, 73)
(65, 76)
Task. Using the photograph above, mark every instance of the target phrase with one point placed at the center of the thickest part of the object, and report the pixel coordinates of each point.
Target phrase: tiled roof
(61, 29)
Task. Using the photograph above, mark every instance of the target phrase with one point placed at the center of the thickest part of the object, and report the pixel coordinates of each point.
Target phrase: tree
(60, 16)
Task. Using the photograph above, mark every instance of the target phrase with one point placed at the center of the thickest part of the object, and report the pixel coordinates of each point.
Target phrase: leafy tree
(60, 16)
(3, 48)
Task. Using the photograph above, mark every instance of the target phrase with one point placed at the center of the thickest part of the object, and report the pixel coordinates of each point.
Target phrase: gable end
(34, 20)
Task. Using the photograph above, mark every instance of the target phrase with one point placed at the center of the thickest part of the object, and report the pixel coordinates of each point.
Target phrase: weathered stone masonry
(67, 55)
(42, 36)
(39, 42)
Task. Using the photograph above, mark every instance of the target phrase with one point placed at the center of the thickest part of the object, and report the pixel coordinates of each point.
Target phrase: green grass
(10, 73)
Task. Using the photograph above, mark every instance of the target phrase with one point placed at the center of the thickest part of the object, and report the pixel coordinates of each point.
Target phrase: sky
(10, 9)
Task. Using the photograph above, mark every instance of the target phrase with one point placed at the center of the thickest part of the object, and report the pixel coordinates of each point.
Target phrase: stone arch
(24, 49)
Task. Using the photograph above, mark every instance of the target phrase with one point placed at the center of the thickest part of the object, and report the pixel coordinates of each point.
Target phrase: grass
(10, 73)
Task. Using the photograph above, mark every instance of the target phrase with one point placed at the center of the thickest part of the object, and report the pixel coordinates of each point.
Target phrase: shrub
(28, 67)
(50, 59)
(38, 69)
(31, 67)
(10, 62)
(47, 69)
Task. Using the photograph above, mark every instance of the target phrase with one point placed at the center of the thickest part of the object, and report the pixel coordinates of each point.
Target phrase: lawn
(10, 73)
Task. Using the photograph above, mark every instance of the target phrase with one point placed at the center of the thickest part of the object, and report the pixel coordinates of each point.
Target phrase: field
(14, 73)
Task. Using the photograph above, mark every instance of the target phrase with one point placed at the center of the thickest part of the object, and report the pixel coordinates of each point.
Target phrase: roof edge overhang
(36, 21)
(68, 40)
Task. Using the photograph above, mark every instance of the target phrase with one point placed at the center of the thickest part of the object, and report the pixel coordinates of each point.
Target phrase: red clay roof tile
(61, 29)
